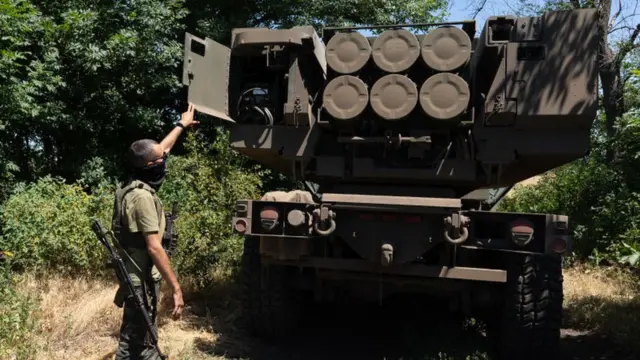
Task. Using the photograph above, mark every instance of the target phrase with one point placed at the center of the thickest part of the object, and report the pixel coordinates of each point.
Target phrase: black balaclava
(154, 175)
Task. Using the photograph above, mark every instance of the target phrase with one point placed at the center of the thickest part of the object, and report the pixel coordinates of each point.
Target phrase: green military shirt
(142, 212)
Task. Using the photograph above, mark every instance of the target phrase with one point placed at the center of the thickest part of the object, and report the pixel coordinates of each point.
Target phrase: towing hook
(464, 235)
(458, 223)
(386, 256)
(327, 232)
(322, 218)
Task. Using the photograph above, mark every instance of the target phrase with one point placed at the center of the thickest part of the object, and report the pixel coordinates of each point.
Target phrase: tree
(216, 19)
(86, 78)
(82, 79)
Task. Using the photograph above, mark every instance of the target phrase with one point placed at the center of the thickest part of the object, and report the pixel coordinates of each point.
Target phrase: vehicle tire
(531, 316)
(270, 303)
(250, 294)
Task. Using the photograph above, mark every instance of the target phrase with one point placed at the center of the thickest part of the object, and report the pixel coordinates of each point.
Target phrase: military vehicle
(406, 140)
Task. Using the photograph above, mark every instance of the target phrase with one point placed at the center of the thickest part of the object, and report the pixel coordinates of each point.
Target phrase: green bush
(47, 224)
(206, 185)
(600, 196)
(16, 321)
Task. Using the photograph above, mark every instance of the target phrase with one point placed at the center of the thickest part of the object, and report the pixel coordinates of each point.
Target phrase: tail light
(240, 226)
(558, 245)
(521, 231)
(269, 217)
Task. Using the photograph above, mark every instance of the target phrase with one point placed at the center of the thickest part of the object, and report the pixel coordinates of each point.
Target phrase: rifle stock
(170, 238)
(123, 276)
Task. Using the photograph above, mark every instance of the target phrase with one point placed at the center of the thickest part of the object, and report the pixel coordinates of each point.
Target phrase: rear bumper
(408, 270)
(410, 226)
(386, 236)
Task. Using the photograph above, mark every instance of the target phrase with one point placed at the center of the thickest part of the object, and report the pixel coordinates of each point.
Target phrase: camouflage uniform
(140, 210)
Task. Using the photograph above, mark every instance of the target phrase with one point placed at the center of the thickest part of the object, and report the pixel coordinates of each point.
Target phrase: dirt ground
(77, 320)
(362, 333)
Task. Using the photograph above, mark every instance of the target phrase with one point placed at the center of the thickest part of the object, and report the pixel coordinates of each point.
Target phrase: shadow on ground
(397, 330)
(618, 317)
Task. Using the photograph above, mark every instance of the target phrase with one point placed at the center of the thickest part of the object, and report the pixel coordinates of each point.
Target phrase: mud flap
(206, 73)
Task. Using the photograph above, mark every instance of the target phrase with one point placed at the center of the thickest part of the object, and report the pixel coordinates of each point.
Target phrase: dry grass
(605, 301)
(78, 320)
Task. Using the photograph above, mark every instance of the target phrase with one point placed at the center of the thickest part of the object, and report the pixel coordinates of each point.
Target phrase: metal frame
(422, 271)
(464, 23)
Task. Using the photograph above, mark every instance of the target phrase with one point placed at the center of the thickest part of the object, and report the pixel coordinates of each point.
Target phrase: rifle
(123, 276)
(170, 238)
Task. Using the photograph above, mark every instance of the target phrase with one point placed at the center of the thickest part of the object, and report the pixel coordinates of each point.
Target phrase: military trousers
(135, 340)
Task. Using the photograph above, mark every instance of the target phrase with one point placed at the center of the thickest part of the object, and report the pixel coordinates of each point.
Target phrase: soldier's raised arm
(186, 121)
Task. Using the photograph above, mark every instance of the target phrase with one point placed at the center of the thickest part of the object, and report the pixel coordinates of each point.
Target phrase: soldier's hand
(178, 304)
(187, 117)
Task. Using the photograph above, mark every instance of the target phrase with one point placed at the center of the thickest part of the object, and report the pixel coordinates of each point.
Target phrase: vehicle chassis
(388, 244)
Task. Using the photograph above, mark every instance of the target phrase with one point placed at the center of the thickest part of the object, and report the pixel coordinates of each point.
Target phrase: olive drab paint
(134, 242)
(514, 102)
(406, 140)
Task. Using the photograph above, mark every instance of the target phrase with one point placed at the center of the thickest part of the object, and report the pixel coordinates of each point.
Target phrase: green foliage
(7, 178)
(28, 75)
(46, 226)
(353, 12)
(632, 74)
(602, 199)
(533, 8)
(104, 74)
(100, 73)
(16, 321)
(28, 64)
(107, 73)
(286, 13)
(206, 188)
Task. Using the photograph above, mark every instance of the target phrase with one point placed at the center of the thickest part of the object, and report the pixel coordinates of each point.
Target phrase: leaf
(631, 259)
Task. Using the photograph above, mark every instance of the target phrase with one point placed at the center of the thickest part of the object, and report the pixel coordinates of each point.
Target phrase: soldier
(139, 224)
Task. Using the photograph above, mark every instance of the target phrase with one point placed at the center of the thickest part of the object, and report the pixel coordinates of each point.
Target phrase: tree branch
(479, 8)
(626, 79)
(630, 28)
(622, 22)
(605, 54)
(630, 45)
(576, 4)
(635, 34)
(615, 16)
